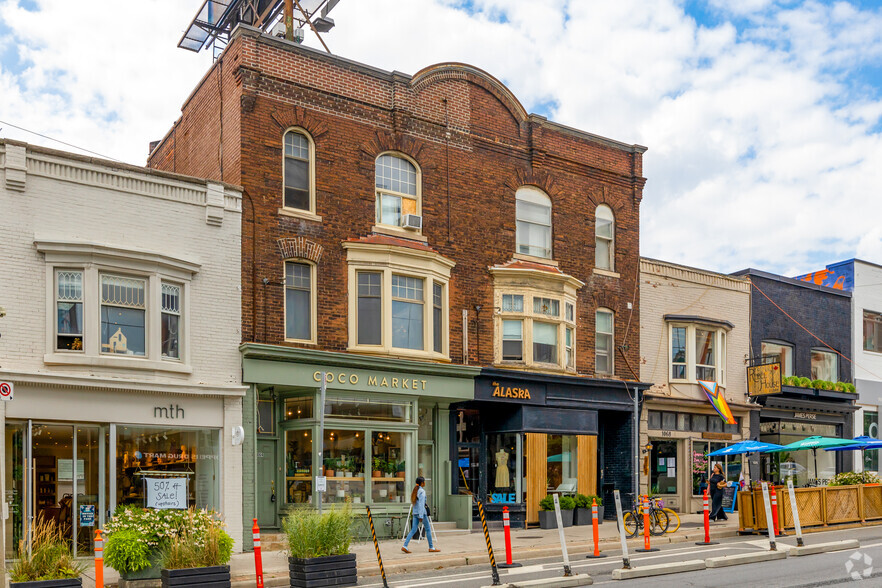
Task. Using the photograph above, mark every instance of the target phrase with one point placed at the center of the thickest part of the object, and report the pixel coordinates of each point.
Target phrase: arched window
(604, 325)
(298, 171)
(605, 234)
(533, 222)
(398, 192)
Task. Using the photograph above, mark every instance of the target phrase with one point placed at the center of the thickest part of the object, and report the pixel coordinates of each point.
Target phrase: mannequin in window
(502, 476)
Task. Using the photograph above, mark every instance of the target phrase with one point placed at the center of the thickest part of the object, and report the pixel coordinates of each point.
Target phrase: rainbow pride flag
(715, 396)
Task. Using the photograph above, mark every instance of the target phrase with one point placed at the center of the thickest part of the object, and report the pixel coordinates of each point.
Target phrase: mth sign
(764, 379)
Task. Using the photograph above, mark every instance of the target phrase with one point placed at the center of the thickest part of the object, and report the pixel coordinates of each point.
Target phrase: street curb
(568, 582)
(744, 558)
(825, 547)
(691, 565)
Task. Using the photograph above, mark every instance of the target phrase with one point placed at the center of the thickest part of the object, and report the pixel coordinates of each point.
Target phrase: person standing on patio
(717, 483)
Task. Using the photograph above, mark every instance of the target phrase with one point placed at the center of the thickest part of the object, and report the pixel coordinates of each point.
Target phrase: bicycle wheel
(673, 520)
(632, 523)
(658, 522)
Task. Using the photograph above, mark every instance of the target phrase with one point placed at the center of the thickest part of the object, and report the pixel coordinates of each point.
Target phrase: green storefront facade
(387, 421)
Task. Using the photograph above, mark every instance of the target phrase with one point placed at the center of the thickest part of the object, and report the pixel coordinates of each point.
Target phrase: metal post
(493, 569)
(769, 523)
(563, 541)
(321, 436)
(626, 560)
(795, 511)
(377, 547)
(636, 483)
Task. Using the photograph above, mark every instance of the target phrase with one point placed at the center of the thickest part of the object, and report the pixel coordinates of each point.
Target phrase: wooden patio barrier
(822, 506)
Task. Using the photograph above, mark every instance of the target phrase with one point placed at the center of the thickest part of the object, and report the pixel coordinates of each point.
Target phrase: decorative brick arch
(300, 248)
(532, 177)
(463, 71)
(299, 117)
(383, 142)
(606, 299)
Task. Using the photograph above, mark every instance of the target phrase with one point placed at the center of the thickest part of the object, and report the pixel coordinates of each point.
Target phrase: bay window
(545, 342)
(407, 312)
(512, 340)
(697, 352)
(123, 315)
(69, 309)
(171, 321)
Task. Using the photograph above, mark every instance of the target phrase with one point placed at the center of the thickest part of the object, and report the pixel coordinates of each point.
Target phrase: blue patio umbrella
(862, 443)
(814, 443)
(744, 447)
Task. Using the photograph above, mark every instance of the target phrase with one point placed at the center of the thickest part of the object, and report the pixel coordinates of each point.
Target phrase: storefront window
(663, 467)
(389, 466)
(468, 426)
(700, 467)
(193, 454)
(871, 429)
(298, 408)
(425, 419)
(298, 467)
(344, 460)
(562, 464)
(797, 465)
(502, 457)
(366, 409)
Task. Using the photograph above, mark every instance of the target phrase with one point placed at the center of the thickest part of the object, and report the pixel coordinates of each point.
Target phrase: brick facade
(474, 144)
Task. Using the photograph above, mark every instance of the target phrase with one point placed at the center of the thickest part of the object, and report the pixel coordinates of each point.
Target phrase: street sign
(6, 389)
(321, 484)
(764, 379)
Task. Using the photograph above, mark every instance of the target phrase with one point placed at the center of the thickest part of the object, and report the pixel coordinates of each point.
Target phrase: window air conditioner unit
(412, 221)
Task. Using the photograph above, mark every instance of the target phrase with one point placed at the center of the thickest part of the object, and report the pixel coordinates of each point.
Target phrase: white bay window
(697, 351)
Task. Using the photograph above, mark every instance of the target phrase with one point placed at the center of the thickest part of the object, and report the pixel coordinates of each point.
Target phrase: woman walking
(418, 499)
(717, 484)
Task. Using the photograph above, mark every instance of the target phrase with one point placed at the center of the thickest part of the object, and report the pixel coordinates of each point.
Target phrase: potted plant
(49, 562)
(547, 517)
(330, 466)
(347, 464)
(199, 554)
(390, 467)
(319, 548)
(379, 466)
(582, 512)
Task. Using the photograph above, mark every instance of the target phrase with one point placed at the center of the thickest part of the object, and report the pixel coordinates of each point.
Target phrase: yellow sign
(504, 392)
(764, 379)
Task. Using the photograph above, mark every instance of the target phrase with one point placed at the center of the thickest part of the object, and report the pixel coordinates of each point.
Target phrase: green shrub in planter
(853, 478)
(192, 549)
(547, 503)
(803, 382)
(49, 558)
(313, 535)
(586, 501)
(127, 552)
(567, 503)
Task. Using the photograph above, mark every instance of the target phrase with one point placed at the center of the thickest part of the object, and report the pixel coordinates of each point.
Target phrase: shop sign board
(87, 515)
(510, 391)
(717, 436)
(763, 380)
(6, 390)
(166, 493)
(321, 484)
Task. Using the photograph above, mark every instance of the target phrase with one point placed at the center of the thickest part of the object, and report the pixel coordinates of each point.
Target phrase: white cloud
(762, 128)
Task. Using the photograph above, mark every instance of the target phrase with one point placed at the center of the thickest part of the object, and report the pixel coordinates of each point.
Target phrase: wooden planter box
(316, 572)
(582, 516)
(548, 520)
(197, 577)
(65, 583)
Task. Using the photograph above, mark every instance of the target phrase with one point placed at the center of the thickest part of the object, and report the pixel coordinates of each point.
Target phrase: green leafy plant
(127, 551)
(853, 478)
(49, 557)
(318, 535)
(191, 549)
(331, 463)
(390, 467)
(803, 382)
(585, 501)
(547, 503)
(379, 464)
(567, 503)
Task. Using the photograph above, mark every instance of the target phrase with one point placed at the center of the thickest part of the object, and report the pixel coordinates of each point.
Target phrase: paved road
(815, 570)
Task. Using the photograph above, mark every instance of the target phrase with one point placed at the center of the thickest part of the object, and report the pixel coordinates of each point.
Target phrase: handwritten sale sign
(166, 493)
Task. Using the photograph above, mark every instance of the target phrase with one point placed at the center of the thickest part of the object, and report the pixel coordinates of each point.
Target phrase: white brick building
(694, 325)
(121, 289)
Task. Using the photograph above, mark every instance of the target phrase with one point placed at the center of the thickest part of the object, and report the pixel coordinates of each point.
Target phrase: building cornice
(673, 271)
(536, 275)
(62, 250)
(119, 384)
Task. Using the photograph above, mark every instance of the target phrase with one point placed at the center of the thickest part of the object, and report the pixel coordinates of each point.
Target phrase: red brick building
(398, 224)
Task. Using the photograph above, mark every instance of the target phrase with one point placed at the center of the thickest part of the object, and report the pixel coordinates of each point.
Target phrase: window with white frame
(398, 301)
(398, 189)
(780, 352)
(825, 365)
(604, 236)
(171, 321)
(533, 223)
(69, 310)
(299, 301)
(697, 352)
(123, 315)
(532, 331)
(512, 340)
(604, 341)
(298, 171)
(872, 331)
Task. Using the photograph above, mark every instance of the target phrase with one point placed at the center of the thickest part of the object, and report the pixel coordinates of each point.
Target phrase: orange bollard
(506, 525)
(646, 547)
(99, 559)
(258, 562)
(706, 508)
(594, 524)
(778, 532)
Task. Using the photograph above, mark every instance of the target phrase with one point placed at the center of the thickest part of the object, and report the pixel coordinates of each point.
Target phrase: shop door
(426, 470)
(664, 467)
(267, 494)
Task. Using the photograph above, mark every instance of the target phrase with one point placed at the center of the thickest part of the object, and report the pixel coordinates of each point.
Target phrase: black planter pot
(65, 583)
(548, 520)
(317, 572)
(197, 577)
(582, 516)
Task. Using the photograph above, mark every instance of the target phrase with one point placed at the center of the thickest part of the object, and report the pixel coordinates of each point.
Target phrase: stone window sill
(535, 259)
(104, 361)
(397, 232)
(301, 214)
(607, 273)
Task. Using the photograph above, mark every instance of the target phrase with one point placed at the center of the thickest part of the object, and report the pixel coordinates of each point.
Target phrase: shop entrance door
(56, 473)
(267, 493)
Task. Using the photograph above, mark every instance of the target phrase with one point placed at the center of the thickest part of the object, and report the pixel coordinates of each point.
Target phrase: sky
(762, 118)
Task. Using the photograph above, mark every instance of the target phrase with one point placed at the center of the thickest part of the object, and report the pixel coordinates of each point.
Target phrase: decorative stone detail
(214, 204)
(300, 248)
(16, 168)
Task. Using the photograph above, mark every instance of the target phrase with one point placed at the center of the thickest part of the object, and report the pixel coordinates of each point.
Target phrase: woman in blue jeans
(418, 499)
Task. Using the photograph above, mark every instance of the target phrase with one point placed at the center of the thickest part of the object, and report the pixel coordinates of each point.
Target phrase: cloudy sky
(763, 118)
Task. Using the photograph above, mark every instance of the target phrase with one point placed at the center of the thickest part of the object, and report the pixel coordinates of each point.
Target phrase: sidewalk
(463, 550)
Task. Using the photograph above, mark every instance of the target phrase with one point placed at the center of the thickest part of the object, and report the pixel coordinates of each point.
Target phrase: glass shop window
(502, 459)
(298, 408)
(562, 463)
(368, 409)
(298, 467)
(389, 475)
(654, 419)
(344, 466)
